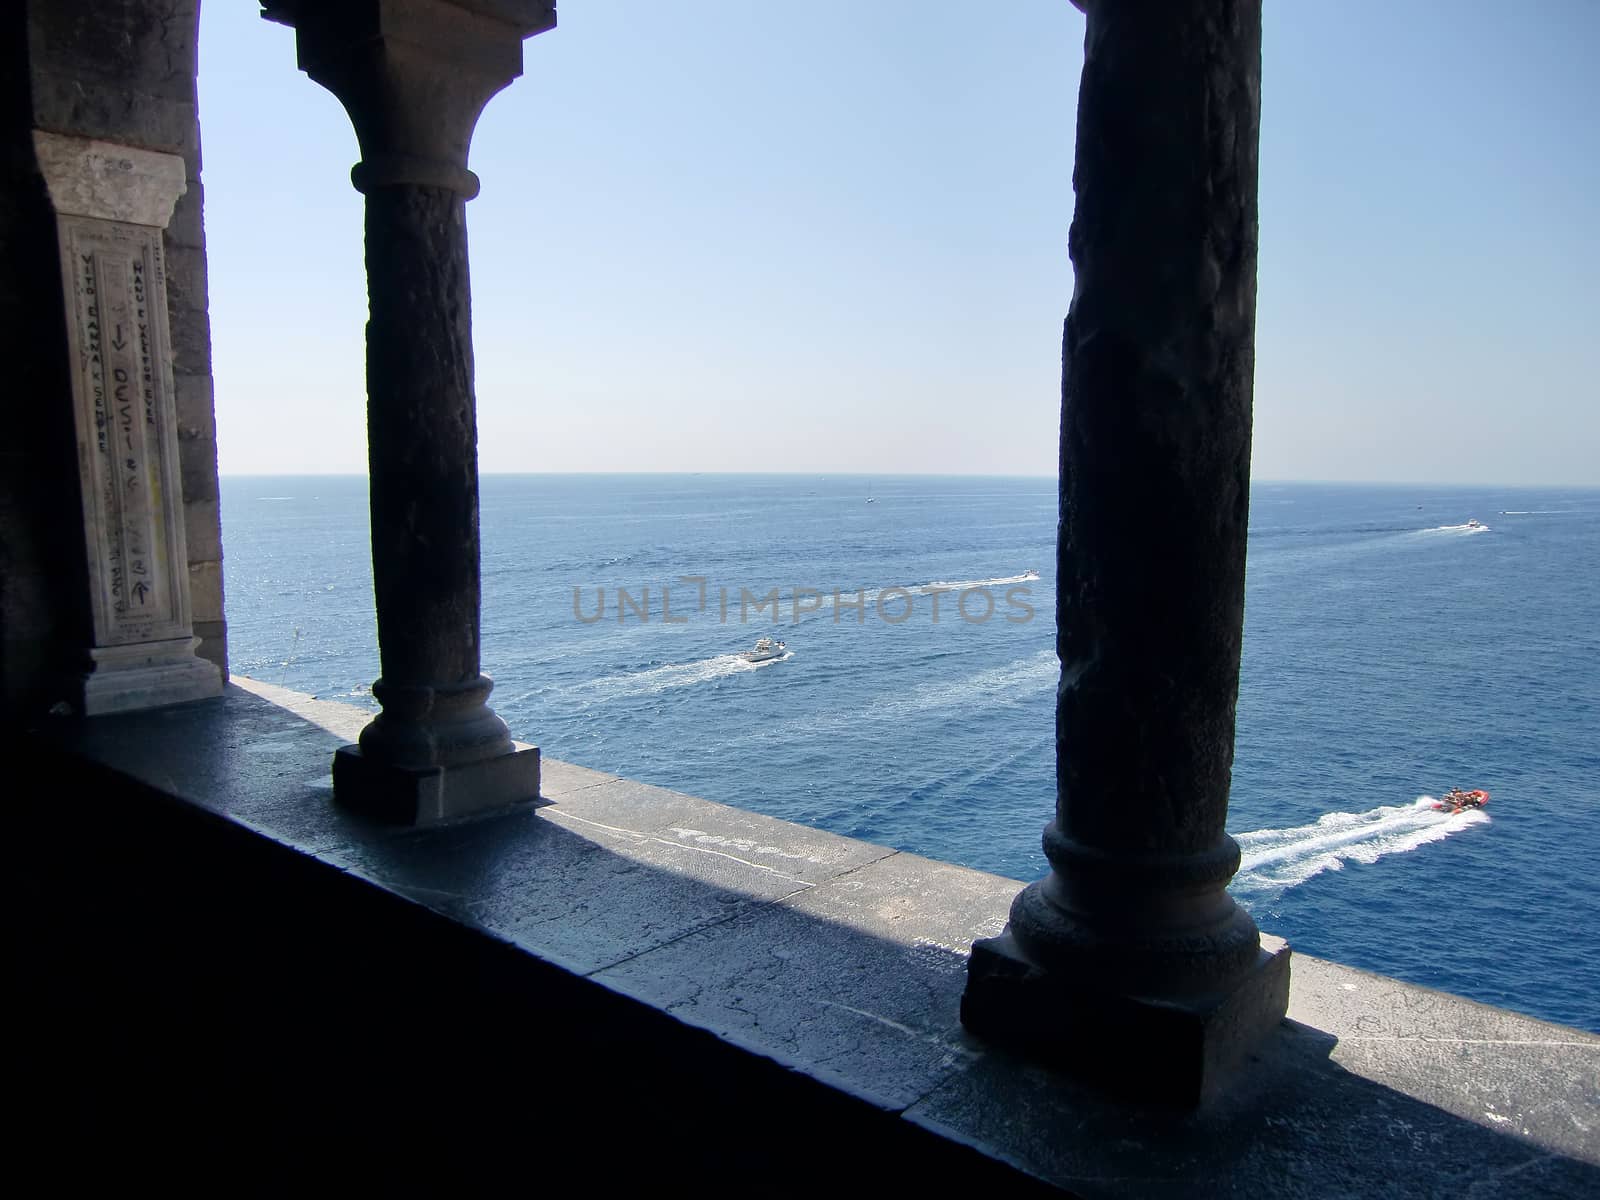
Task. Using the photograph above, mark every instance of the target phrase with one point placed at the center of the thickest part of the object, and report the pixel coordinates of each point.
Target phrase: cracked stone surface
(860, 977)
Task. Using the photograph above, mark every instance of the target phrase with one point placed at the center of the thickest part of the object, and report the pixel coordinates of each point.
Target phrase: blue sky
(726, 235)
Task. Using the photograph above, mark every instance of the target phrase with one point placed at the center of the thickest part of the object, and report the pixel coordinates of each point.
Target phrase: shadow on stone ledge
(217, 962)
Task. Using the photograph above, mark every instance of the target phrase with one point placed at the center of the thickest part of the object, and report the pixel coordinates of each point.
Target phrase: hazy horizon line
(891, 475)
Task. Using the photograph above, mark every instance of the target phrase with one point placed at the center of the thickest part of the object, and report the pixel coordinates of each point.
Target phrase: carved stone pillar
(414, 76)
(1130, 963)
(112, 202)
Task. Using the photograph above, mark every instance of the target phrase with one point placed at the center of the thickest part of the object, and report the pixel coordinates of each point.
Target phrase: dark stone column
(1129, 962)
(414, 76)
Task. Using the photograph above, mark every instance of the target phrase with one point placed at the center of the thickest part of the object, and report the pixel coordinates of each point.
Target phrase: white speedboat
(765, 651)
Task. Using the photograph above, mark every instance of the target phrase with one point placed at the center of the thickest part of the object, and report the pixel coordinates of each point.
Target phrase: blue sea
(1392, 651)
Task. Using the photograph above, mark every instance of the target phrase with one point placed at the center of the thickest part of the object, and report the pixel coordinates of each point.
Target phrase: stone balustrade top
(845, 961)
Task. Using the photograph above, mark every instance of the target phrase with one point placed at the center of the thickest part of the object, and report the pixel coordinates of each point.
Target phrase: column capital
(109, 181)
(414, 75)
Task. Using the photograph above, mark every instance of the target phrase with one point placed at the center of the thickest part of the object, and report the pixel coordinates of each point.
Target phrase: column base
(147, 675)
(430, 795)
(1156, 1049)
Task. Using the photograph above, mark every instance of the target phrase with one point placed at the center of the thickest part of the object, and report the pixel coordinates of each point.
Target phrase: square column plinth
(435, 794)
(1176, 1052)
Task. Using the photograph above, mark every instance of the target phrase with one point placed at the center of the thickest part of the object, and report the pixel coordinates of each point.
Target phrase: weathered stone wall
(122, 71)
(43, 575)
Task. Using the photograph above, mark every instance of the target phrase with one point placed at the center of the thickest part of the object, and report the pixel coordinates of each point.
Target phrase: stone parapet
(668, 933)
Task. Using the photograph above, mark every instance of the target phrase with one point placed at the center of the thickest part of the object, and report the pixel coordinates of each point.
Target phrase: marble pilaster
(112, 203)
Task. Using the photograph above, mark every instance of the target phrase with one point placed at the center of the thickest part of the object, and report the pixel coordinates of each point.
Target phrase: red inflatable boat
(1456, 800)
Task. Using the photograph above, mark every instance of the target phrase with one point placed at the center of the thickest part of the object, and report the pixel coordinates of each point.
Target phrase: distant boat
(765, 651)
(870, 498)
(1473, 523)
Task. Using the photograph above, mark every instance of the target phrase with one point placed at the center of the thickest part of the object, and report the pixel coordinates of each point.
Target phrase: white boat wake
(1008, 685)
(962, 585)
(1012, 683)
(1479, 528)
(1274, 860)
(672, 675)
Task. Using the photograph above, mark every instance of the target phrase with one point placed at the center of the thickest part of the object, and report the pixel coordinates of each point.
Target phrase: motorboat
(1474, 523)
(1458, 801)
(765, 650)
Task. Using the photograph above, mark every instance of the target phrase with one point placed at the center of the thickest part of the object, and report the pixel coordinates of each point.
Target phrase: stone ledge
(844, 963)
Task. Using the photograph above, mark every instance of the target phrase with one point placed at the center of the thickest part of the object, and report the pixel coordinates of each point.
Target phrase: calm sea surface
(1391, 652)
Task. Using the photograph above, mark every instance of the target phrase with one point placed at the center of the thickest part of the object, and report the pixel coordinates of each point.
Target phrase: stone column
(1130, 963)
(112, 203)
(414, 76)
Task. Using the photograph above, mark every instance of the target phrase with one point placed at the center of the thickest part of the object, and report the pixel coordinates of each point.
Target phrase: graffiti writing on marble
(142, 319)
(88, 302)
